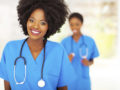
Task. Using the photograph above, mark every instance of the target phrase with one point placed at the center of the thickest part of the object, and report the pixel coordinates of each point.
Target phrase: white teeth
(74, 31)
(35, 32)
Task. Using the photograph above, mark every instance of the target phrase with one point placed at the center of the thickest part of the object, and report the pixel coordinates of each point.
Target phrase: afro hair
(55, 11)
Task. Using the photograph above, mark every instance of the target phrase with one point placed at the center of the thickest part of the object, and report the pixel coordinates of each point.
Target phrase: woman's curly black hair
(76, 15)
(55, 11)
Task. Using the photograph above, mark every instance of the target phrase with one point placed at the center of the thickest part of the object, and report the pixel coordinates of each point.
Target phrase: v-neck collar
(78, 40)
(30, 54)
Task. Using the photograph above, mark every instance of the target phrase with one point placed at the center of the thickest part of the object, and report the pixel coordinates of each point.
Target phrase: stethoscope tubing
(80, 49)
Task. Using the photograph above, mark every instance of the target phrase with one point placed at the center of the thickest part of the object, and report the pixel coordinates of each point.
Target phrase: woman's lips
(35, 32)
(74, 31)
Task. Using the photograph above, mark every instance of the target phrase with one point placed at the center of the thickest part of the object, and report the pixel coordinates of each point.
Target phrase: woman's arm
(62, 88)
(7, 85)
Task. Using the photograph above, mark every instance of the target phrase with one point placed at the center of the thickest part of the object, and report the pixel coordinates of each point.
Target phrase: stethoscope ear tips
(41, 83)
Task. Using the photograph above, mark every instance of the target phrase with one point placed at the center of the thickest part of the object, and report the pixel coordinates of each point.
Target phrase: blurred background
(102, 22)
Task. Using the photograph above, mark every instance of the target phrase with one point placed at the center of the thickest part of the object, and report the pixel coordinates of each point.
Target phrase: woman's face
(37, 25)
(75, 25)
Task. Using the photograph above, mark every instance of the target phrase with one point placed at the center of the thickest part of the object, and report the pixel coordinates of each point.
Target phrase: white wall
(101, 70)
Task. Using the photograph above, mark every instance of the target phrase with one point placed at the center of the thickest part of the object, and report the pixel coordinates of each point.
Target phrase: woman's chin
(35, 37)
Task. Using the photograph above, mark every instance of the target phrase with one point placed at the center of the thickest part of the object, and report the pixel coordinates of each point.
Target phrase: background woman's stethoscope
(80, 49)
(41, 82)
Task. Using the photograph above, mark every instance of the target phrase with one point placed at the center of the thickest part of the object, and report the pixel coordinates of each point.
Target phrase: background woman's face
(37, 25)
(75, 25)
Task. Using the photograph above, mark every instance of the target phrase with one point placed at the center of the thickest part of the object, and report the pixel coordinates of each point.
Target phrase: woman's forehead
(38, 14)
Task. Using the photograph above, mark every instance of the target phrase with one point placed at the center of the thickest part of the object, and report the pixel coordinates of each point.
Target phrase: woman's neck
(35, 45)
(77, 36)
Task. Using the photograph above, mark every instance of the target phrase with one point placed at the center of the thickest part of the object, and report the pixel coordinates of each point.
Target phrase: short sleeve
(67, 74)
(3, 71)
(95, 52)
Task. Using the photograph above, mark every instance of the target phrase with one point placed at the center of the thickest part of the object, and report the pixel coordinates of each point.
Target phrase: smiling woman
(36, 63)
(37, 25)
(81, 50)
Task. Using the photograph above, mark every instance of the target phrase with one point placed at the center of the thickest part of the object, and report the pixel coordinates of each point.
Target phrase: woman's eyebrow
(43, 20)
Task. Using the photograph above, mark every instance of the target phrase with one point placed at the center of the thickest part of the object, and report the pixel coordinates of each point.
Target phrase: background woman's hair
(76, 15)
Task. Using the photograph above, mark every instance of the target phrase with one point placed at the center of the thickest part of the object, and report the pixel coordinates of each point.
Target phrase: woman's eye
(31, 20)
(77, 24)
(43, 23)
(71, 24)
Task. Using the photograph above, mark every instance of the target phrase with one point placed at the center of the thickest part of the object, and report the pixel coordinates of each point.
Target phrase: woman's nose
(36, 25)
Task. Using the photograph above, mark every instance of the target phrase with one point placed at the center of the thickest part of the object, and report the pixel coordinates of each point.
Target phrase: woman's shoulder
(66, 39)
(15, 42)
(88, 38)
(53, 44)
(12, 45)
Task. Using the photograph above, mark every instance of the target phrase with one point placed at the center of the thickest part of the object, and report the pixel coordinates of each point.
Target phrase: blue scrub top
(58, 71)
(82, 72)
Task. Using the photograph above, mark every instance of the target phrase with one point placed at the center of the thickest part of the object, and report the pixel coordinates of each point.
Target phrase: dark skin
(37, 28)
(7, 85)
(76, 25)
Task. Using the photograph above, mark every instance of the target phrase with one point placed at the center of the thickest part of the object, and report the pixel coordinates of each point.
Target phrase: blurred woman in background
(81, 50)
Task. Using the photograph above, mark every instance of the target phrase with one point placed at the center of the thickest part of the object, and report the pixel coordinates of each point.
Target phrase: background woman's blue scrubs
(83, 79)
(58, 71)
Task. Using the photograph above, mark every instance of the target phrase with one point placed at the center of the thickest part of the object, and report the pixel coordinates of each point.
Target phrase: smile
(35, 32)
(74, 31)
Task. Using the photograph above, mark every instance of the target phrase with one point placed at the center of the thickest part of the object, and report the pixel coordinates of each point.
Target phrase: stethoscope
(80, 49)
(41, 82)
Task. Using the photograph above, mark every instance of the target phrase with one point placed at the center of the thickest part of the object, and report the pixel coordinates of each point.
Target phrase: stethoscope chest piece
(41, 83)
